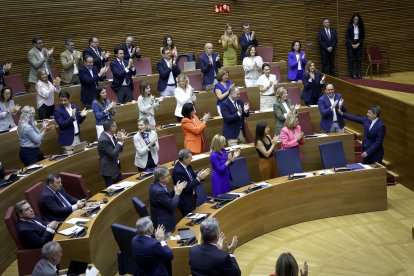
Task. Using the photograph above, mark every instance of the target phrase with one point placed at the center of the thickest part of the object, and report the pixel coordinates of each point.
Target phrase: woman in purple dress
(222, 88)
(220, 161)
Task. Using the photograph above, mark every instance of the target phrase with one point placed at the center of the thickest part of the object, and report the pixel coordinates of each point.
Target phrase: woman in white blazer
(146, 146)
(184, 93)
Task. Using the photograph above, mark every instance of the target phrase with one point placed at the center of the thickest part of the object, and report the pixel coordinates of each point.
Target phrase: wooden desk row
(120, 209)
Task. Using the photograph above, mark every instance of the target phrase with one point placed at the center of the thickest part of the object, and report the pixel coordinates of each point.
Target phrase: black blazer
(232, 122)
(127, 56)
(97, 61)
(188, 194)
(324, 41)
(164, 72)
(350, 36)
(32, 235)
(109, 155)
(51, 206)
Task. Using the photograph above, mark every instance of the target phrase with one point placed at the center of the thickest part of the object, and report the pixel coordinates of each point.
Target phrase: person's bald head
(209, 48)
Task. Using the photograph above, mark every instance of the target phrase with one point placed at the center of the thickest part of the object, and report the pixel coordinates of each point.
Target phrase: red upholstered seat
(294, 94)
(33, 197)
(110, 94)
(275, 70)
(376, 56)
(16, 83)
(74, 185)
(143, 66)
(137, 89)
(196, 81)
(266, 52)
(305, 123)
(168, 151)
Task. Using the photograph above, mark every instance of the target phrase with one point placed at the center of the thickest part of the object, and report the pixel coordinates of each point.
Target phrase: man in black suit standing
(168, 71)
(109, 148)
(130, 50)
(122, 70)
(327, 39)
(211, 257)
(246, 39)
(98, 54)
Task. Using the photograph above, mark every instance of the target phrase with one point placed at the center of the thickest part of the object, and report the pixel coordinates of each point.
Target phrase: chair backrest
(110, 93)
(244, 96)
(266, 52)
(288, 161)
(123, 236)
(201, 195)
(74, 184)
(109, 75)
(196, 81)
(373, 53)
(294, 94)
(180, 61)
(137, 89)
(33, 197)
(305, 123)
(143, 66)
(168, 151)
(206, 142)
(140, 207)
(16, 83)
(275, 70)
(54, 73)
(239, 173)
(247, 133)
(10, 219)
(332, 154)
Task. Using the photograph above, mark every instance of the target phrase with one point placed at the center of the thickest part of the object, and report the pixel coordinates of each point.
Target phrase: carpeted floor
(395, 86)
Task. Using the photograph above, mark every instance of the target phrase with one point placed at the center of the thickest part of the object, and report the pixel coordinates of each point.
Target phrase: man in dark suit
(246, 39)
(55, 203)
(33, 232)
(209, 258)
(47, 266)
(163, 203)
(374, 134)
(327, 39)
(328, 104)
(122, 71)
(110, 145)
(130, 50)
(97, 53)
(184, 172)
(152, 256)
(209, 65)
(168, 70)
(89, 77)
(234, 111)
(68, 117)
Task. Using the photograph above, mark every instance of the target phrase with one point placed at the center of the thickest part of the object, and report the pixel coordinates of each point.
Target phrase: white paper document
(71, 230)
(77, 220)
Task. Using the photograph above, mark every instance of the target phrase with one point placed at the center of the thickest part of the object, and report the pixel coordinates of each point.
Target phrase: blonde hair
(221, 73)
(183, 77)
(279, 93)
(290, 119)
(26, 118)
(39, 73)
(308, 65)
(217, 142)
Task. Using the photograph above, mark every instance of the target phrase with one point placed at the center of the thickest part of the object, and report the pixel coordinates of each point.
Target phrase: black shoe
(354, 76)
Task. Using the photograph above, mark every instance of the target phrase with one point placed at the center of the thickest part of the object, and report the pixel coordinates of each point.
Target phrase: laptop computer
(189, 66)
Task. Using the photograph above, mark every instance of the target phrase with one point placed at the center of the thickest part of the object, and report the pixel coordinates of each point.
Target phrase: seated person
(146, 146)
(32, 232)
(48, 266)
(151, 255)
(286, 265)
(55, 203)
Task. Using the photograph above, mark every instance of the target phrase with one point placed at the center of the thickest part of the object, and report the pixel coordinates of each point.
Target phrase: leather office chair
(168, 151)
(180, 61)
(75, 185)
(332, 154)
(275, 70)
(137, 89)
(140, 207)
(377, 57)
(288, 161)
(109, 75)
(143, 66)
(294, 94)
(305, 123)
(16, 83)
(26, 258)
(196, 81)
(110, 94)
(33, 197)
(123, 236)
(239, 173)
(266, 52)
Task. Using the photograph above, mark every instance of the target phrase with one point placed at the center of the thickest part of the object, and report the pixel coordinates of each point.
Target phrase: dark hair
(64, 94)
(360, 22)
(286, 265)
(116, 50)
(68, 41)
(4, 90)
(265, 64)
(50, 178)
(90, 39)
(165, 48)
(98, 91)
(249, 49)
(245, 24)
(85, 58)
(183, 153)
(375, 109)
(165, 44)
(293, 43)
(107, 124)
(18, 207)
(260, 131)
(35, 39)
(144, 86)
(187, 109)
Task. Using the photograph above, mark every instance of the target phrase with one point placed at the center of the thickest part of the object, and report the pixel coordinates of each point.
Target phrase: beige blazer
(36, 63)
(68, 65)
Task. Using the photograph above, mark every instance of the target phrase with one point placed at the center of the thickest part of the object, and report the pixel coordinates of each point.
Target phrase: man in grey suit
(110, 144)
(71, 61)
(39, 58)
(52, 254)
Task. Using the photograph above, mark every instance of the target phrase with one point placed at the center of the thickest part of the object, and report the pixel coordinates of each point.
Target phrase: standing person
(222, 87)
(163, 202)
(71, 62)
(282, 107)
(291, 135)
(252, 65)
(103, 109)
(229, 42)
(234, 112)
(7, 109)
(39, 58)
(327, 40)
(110, 145)
(45, 98)
(69, 118)
(130, 50)
(89, 76)
(312, 84)
(96, 52)
(296, 62)
(267, 83)
(328, 105)
(183, 94)
(168, 70)
(211, 257)
(30, 137)
(152, 255)
(265, 147)
(147, 104)
(123, 71)
(146, 147)
(193, 129)
(374, 134)
(167, 42)
(246, 39)
(220, 162)
(355, 35)
(48, 265)
(183, 171)
(209, 65)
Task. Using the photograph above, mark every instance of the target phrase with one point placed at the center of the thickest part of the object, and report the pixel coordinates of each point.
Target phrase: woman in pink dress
(291, 135)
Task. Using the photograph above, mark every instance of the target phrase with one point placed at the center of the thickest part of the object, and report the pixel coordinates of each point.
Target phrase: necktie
(328, 34)
(97, 53)
(63, 200)
(114, 140)
(235, 105)
(189, 174)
